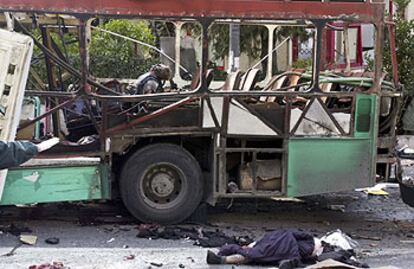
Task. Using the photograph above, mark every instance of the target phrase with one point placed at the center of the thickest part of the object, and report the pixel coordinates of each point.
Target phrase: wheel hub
(162, 184)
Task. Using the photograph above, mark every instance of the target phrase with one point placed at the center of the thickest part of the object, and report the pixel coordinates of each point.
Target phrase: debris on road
(337, 207)
(156, 264)
(11, 252)
(129, 257)
(340, 239)
(53, 265)
(110, 240)
(52, 241)
(191, 259)
(329, 264)
(377, 189)
(204, 238)
(407, 241)
(28, 239)
(15, 229)
(373, 238)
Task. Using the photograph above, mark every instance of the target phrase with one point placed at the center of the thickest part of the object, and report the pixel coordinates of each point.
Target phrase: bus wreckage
(290, 133)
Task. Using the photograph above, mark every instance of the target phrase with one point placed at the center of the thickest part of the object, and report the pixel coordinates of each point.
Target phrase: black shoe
(288, 264)
(213, 258)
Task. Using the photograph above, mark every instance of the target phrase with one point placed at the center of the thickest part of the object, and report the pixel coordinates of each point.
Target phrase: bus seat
(325, 87)
(232, 81)
(249, 79)
(274, 85)
(195, 83)
(209, 77)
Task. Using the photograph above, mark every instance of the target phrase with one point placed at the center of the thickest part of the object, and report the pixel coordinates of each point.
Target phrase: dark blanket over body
(275, 246)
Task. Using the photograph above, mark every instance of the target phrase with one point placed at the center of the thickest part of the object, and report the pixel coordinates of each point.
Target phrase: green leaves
(404, 38)
(116, 57)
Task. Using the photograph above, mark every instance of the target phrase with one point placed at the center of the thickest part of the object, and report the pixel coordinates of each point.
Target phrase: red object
(331, 45)
(256, 9)
(295, 49)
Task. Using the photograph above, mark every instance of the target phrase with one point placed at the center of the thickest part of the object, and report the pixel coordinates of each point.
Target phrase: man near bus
(153, 81)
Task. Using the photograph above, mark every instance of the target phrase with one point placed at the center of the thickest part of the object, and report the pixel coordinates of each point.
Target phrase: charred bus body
(291, 134)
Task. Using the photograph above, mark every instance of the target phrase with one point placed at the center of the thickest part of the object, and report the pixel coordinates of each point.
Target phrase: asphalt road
(104, 235)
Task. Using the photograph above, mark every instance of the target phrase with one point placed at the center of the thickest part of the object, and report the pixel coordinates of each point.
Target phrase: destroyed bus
(259, 132)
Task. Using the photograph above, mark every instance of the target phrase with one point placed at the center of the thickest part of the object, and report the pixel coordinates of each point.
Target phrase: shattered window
(315, 120)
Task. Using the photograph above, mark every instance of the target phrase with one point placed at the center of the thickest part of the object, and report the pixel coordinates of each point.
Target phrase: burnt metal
(302, 116)
(281, 93)
(379, 48)
(226, 9)
(53, 110)
(222, 157)
(205, 23)
(50, 94)
(91, 115)
(167, 131)
(83, 56)
(51, 79)
(391, 33)
(261, 150)
(212, 112)
(152, 115)
(316, 63)
(205, 12)
(61, 62)
(340, 129)
(254, 169)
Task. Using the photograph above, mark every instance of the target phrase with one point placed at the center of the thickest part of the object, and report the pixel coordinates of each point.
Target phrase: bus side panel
(320, 165)
(55, 184)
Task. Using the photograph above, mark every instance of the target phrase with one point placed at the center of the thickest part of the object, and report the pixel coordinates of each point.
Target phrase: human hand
(45, 145)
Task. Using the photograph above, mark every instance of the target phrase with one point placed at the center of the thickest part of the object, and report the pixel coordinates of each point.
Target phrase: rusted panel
(152, 115)
(27, 124)
(266, 9)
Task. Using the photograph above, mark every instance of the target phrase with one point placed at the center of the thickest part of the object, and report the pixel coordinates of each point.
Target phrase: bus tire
(161, 183)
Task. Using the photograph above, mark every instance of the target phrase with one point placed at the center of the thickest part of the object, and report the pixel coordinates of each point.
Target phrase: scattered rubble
(53, 265)
(337, 207)
(11, 252)
(129, 257)
(52, 240)
(28, 239)
(15, 229)
(204, 238)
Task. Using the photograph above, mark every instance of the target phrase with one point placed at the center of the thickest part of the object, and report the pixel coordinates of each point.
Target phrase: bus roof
(368, 11)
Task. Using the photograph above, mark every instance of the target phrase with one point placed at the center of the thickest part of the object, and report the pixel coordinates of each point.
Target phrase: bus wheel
(161, 183)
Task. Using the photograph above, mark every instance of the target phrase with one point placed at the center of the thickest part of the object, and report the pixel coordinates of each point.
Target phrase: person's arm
(14, 153)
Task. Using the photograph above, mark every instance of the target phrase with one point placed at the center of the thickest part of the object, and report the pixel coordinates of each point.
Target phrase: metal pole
(51, 80)
(316, 65)
(234, 47)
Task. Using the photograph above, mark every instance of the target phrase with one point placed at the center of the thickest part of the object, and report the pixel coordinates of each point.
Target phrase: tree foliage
(116, 57)
(404, 40)
(110, 56)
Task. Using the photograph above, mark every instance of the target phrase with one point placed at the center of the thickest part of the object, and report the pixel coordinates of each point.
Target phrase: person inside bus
(15, 153)
(153, 81)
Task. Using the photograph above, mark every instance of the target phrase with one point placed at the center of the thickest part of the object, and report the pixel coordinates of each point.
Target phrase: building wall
(409, 13)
